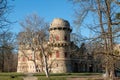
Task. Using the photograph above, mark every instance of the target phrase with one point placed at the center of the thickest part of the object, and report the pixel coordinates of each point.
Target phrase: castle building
(60, 60)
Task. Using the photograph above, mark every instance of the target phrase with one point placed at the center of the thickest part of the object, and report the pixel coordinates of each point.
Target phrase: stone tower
(59, 40)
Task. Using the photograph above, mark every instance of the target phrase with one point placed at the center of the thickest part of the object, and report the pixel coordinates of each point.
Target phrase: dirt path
(82, 79)
(30, 77)
(95, 77)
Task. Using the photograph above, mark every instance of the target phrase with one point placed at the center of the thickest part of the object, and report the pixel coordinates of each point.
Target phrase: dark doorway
(90, 68)
(75, 67)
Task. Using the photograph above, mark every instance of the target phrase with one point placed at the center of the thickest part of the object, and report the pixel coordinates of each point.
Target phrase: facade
(60, 60)
(25, 61)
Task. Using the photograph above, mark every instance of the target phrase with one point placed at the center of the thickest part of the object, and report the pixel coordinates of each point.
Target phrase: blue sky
(48, 9)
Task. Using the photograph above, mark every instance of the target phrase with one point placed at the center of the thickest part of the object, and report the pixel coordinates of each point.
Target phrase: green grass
(11, 76)
(41, 76)
(68, 74)
(51, 78)
(63, 76)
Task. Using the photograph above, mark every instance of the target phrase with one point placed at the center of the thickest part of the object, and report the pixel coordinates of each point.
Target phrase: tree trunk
(45, 61)
(34, 61)
(110, 39)
(3, 60)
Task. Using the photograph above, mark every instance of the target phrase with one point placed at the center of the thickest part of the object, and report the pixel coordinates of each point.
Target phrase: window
(23, 59)
(65, 38)
(65, 54)
(57, 54)
(57, 37)
(56, 65)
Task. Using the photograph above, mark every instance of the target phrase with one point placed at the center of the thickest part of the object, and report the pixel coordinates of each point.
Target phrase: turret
(59, 40)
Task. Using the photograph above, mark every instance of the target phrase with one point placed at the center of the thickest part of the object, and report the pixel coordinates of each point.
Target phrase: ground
(41, 76)
(30, 77)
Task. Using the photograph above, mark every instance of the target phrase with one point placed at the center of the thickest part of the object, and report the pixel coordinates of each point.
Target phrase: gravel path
(29, 77)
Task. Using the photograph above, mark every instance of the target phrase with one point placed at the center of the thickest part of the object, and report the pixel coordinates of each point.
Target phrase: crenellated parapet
(59, 44)
(61, 28)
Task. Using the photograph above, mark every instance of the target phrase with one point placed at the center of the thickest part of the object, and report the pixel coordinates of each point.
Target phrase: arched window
(57, 54)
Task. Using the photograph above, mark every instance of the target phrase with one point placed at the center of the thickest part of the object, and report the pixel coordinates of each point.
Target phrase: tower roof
(58, 22)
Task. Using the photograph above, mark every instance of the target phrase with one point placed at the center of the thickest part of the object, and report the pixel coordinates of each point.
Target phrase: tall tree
(103, 23)
(6, 50)
(6, 37)
(34, 37)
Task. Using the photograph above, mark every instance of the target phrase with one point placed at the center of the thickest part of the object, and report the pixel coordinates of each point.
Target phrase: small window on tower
(57, 37)
(65, 54)
(65, 37)
(23, 59)
(57, 54)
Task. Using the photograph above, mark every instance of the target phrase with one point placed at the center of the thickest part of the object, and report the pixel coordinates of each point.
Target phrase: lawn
(40, 76)
(69, 74)
(11, 76)
(64, 76)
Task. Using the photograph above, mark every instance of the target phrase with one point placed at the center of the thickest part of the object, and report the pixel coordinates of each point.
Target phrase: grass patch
(11, 76)
(42, 76)
(63, 76)
(68, 74)
(51, 78)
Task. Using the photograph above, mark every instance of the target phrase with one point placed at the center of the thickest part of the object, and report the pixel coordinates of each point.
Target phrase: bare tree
(103, 23)
(34, 37)
(6, 37)
(6, 50)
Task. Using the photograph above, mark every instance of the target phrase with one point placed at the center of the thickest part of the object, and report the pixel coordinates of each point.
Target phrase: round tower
(59, 40)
